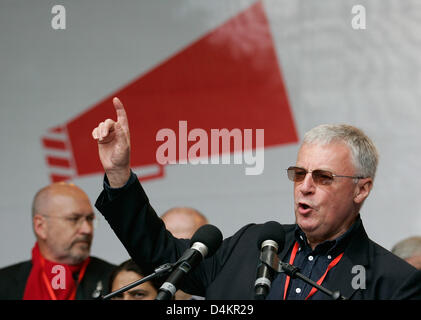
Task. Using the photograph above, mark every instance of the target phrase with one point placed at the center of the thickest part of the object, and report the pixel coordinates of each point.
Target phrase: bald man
(61, 267)
(409, 249)
(183, 222)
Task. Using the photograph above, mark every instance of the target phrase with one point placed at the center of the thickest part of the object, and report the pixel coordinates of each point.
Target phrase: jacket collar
(356, 249)
(356, 253)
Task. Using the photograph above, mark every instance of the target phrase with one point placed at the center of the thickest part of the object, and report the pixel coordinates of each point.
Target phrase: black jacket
(94, 283)
(231, 272)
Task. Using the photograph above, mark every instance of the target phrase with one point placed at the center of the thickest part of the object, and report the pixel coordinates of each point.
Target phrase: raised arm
(113, 139)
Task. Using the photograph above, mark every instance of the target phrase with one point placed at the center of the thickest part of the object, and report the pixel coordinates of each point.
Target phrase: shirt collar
(332, 247)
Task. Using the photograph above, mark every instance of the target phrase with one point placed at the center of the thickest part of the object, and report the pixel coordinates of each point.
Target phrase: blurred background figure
(61, 267)
(409, 249)
(128, 272)
(183, 222)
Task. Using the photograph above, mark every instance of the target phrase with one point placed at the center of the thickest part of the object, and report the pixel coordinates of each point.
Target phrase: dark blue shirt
(312, 264)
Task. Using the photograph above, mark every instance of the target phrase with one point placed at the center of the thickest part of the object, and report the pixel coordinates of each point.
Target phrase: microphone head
(272, 230)
(210, 236)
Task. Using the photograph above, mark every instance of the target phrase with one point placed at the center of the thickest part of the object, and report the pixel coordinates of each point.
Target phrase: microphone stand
(294, 272)
(158, 272)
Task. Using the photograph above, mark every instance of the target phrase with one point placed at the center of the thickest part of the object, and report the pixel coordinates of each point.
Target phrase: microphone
(204, 242)
(271, 240)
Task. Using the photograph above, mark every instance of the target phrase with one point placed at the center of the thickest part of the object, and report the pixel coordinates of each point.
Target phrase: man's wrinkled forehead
(63, 197)
(324, 156)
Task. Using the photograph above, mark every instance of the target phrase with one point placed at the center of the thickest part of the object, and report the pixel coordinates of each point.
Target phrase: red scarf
(51, 280)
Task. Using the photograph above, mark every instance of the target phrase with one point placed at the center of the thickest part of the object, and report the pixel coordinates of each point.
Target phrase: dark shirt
(312, 264)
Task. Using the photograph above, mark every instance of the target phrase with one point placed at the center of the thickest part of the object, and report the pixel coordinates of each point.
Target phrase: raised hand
(113, 139)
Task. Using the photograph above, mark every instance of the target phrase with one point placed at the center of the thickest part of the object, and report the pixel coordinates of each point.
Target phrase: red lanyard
(313, 290)
(48, 285)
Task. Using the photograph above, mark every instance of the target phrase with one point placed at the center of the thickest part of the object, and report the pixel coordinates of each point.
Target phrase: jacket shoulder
(13, 280)
(389, 261)
(403, 279)
(15, 269)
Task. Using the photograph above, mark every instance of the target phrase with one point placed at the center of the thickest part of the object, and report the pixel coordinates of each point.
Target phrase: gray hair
(408, 248)
(364, 153)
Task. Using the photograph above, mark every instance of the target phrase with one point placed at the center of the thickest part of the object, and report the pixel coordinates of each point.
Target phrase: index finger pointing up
(121, 114)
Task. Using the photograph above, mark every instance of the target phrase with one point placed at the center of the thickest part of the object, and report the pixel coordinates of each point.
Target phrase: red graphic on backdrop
(229, 78)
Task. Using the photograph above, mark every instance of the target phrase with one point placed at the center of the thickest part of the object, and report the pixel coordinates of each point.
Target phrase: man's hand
(114, 146)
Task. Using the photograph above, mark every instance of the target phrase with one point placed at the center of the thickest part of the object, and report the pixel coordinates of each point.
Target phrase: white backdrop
(369, 78)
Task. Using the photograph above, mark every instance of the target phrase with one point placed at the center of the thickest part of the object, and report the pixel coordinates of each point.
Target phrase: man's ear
(362, 190)
(40, 226)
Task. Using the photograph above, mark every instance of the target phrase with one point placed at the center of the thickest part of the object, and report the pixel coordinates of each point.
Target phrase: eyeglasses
(77, 221)
(322, 177)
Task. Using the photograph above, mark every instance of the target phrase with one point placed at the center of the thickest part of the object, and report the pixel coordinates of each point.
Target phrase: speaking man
(333, 176)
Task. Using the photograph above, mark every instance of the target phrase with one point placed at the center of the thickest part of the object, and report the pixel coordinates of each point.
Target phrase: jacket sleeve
(138, 227)
(141, 231)
(150, 245)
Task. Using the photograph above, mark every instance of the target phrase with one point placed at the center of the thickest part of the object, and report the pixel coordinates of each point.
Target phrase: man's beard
(79, 250)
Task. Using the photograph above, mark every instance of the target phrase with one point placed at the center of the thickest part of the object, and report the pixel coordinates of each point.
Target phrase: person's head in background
(128, 272)
(410, 250)
(63, 223)
(183, 222)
